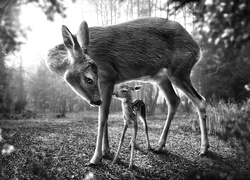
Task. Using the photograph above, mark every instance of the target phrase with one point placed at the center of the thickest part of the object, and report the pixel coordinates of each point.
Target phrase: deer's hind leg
(173, 102)
(184, 83)
(142, 117)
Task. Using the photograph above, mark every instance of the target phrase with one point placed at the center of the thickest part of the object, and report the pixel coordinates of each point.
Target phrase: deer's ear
(83, 36)
(70, 40)
(57, 59)
(136, 88)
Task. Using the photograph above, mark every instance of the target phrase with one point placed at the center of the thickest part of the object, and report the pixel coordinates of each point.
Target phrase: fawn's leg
(133, 145)
(143, 119)
(106, 94)
(186, 86)
(121, 142)
(173, 102)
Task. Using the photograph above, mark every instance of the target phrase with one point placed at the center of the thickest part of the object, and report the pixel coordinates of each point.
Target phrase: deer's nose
(96, 103)
(114, 95)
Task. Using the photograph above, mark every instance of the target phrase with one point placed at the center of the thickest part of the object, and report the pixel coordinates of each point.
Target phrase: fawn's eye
(124, 91)
(89, 80)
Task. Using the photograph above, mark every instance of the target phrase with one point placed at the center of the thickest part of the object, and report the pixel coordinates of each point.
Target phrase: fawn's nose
(96, 103)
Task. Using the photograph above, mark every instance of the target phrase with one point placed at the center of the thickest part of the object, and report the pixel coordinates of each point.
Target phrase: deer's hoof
(92, 165)
(158, 149)
(95, 161)
(204, 150)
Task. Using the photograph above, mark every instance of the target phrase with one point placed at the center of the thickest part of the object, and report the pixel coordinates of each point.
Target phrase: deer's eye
(89, 80)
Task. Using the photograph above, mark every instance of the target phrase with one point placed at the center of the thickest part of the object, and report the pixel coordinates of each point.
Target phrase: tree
(151, 97)
(11, 31)
(223, 31)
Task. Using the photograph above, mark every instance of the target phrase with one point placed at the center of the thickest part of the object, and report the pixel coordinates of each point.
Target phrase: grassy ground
(50, 148)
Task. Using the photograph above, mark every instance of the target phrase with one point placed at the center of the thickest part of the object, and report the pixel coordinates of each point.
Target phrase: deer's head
(124, 92)
(72, 61)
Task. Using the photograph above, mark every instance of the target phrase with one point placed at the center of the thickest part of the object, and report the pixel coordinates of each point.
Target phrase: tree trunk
(21, 101)
(138, 8)
(168, 9)
(101, 13)
(164, 106)
(63, 106)
(156, 2)
(3, 84)
(131, 8)
(111, 11)
(151, 99)
(184, 16)
(127, 14)
(149, 8)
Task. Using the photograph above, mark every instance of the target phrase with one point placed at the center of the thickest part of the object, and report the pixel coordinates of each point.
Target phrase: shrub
(230, 122)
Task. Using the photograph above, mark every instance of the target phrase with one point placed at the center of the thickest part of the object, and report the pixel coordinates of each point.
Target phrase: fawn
(131, 108)
(154, 50)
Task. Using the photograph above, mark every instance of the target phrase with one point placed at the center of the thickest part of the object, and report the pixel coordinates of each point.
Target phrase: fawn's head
(124, 92)
(82, 72)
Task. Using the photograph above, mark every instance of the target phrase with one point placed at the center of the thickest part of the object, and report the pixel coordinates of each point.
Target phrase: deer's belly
(153, 78)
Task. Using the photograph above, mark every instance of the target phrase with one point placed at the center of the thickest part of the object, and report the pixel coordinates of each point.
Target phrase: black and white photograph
(124, 89)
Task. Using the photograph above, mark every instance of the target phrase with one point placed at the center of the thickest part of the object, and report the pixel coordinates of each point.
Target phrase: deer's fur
(131, 109)
(150, 49)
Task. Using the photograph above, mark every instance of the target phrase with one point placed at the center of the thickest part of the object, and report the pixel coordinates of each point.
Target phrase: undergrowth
(230, 122)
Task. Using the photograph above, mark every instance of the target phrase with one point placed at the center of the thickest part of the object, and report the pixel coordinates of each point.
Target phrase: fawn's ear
(136, 88)
(83, 36)
(70, 41)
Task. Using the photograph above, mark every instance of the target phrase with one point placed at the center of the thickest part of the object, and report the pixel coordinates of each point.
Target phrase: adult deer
(150, 49)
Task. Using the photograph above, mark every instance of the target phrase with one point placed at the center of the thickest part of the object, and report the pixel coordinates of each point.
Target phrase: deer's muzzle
(96, 103)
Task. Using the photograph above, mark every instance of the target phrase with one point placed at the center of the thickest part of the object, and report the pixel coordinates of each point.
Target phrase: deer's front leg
(106, 94)
(105, 141)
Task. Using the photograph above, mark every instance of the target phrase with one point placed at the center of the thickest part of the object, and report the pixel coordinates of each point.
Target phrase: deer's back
(141, 48)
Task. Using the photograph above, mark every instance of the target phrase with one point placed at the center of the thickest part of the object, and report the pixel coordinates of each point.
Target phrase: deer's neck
(127, 108)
